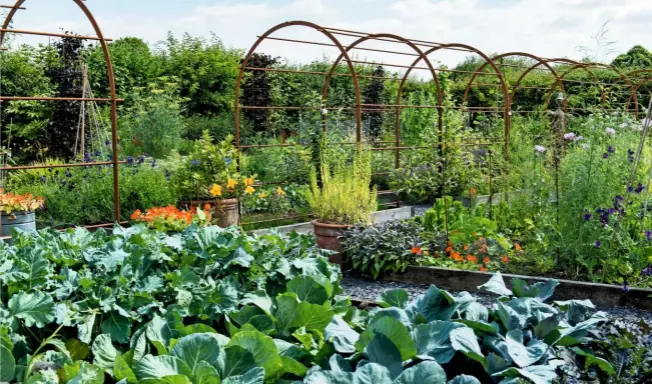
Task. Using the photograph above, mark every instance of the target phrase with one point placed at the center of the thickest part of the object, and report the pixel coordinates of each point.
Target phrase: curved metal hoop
(252, 50)
(113, 99)
(639, 84)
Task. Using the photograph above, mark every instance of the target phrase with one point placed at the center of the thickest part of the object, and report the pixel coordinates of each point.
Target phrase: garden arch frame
(113, 100)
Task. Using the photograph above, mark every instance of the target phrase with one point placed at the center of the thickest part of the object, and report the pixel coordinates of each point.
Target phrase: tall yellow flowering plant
(232, 187)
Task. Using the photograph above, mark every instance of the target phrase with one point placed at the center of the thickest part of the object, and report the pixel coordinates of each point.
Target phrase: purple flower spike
(605, 155)
(597, 244)
(611, 149)
(648, 235)
(639, 188)
(587, 216)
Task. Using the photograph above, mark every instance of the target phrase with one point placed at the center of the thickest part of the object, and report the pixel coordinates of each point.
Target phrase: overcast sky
(549, 28)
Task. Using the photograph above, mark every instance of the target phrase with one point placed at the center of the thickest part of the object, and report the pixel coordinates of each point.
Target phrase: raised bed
(603, 295)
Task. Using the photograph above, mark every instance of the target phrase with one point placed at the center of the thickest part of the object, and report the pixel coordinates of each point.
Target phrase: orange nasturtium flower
(230, 183)
(486, 260)
(505, 259)
(216, 190)
(473, 191)
(249, 190)
(483, 269)
(471, 259)
(249, 182)
(466, 247)
(280, 191)
(517, 246)
(416, 250)
(136, 215)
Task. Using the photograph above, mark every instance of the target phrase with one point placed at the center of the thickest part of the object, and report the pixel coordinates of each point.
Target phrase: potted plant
(228, 192)
(210, 172)
(18, 212)
(343, 199)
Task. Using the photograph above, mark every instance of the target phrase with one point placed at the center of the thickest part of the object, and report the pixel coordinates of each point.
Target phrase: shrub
(344, 196)
(385, 247)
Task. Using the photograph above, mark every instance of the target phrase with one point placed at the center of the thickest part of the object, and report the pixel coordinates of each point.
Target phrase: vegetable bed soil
(604, 295)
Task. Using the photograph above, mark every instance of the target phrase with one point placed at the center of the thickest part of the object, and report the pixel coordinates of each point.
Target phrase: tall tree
(374, 94)
(637, 57)
(257, 90)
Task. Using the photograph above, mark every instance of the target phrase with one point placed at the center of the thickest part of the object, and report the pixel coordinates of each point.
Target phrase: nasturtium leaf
(262, 348)
(427, 372)
(342, 335)
(382, 351)
(393, 298)
(122, 370)
(433, 339)
(464, 379)
(7, 364)
(155, 367)
(104, 352)
(33, 308)
(119, 327)
(396, 332)
(496, 285)
(196, 348)
(253, 376)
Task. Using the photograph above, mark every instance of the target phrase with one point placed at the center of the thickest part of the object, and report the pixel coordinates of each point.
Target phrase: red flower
(416, 250)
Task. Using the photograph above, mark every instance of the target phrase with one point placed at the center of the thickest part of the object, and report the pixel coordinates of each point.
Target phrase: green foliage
(636, 57)
(206, 164)
(153, 126)
(382, 248)
(84, 196)
(344, 196)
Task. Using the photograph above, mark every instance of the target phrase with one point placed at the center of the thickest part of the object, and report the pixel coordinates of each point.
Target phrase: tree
(374, 94)
(637, 57)
(257, 90)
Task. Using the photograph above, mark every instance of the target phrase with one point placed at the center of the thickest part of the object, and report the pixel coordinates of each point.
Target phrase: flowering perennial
(12, 203)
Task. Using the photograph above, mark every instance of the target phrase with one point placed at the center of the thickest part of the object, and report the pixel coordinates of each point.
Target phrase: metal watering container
(22, 221)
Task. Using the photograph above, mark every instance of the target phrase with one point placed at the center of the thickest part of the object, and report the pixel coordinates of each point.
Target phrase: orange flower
(486, 260)
(517, 247)
(473, 191)
(471, 259)
(457, 257)
(416, 250)
(483, 269)
(426, 253)
(136, 215)
(505, 259)
(249, 182)
(216, 190)
(207, 207)
(466, 247)
(449, 249)
(455, 231)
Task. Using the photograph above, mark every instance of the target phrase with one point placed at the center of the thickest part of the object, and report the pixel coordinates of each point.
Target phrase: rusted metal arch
(587, 67)
(398, 107)
(540, 62)
(489, 62)
(252, 50)
(639, 83)
(113, 99)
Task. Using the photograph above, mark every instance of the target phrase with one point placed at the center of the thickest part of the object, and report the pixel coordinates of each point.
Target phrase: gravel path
(368, 290)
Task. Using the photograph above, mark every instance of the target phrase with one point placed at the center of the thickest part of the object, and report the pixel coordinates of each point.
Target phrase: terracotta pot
(226, 213)
(328, 237)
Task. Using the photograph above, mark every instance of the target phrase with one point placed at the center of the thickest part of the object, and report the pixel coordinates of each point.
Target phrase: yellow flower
(280, 191)
(249, 182)
(216, 190)
(263, 195)
(230, 183)
(249, 190)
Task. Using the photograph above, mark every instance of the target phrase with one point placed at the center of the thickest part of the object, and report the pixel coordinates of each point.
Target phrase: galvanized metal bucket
(21, 221)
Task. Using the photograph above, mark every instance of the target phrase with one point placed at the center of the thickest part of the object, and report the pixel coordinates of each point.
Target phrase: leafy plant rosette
(11, 203)
(171, 219)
